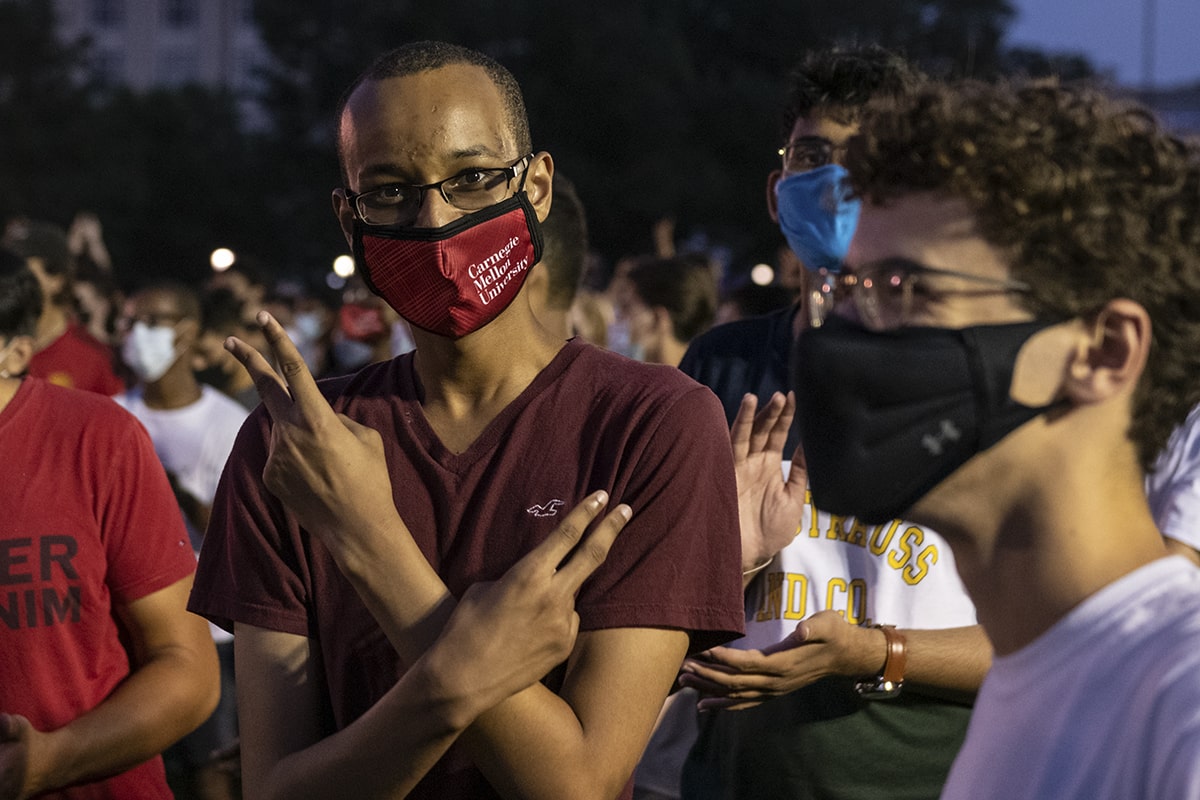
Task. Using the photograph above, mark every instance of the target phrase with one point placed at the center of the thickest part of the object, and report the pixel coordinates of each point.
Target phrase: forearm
(586, 743)
(165, 698)
(386, 751)
(402, 591)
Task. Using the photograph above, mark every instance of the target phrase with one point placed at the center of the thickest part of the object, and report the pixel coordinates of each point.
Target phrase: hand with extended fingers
(329, 470)
(770, 508)
(822, 645)
(506, 635)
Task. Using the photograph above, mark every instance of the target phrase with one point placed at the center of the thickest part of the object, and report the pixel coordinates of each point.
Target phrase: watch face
(878, 689)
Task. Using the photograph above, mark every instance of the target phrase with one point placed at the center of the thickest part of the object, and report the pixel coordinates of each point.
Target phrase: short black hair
(686, 286)
(414, 57)
(186, 299)
(839, 81)
(20, 296)
(564, 243)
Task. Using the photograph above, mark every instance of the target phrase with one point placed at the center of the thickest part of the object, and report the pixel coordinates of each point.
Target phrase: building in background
(148, 44)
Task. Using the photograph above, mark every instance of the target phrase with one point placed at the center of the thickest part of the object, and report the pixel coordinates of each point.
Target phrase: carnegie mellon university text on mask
(493, 273)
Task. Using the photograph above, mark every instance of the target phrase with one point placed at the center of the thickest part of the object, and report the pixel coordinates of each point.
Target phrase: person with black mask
(1016, 336)
(343, 538)
(857, 630)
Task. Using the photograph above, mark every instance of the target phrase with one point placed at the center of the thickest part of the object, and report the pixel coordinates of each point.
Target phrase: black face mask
(886, 416)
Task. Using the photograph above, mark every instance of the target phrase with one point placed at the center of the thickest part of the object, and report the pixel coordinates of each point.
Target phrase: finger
(271, 388)
(729, 659)
(594, 549)
(743, 423)
(728, 704)
(765, 421)
(300, 383)
(548, 555)
(777, 435)
(702, 685)
(798, 471)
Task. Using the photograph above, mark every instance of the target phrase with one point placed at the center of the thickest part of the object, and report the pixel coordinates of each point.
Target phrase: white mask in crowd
(149, 351)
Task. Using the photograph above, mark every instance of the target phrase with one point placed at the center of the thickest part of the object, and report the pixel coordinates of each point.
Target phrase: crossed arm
(471, 676)
(948, 662)
(172, 688)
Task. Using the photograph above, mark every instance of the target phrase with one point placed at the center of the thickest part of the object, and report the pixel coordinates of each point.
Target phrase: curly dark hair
(415, 57)
(838, 82)
(1089, 196)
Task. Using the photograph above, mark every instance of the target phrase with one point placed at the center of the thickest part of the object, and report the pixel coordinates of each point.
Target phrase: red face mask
(455, 279)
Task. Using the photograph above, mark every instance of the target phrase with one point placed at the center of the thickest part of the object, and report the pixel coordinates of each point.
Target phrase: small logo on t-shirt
(546, 509)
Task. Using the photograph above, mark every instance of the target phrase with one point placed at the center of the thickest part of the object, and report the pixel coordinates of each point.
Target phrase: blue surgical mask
(818, 215)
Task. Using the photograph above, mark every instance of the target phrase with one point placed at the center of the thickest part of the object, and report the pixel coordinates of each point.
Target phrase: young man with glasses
(341, 543)
(1014, 402)
(862, 654)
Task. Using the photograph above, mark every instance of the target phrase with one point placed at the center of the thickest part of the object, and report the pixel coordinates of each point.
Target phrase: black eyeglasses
(888, 294)
(470, 190)
(806, 153)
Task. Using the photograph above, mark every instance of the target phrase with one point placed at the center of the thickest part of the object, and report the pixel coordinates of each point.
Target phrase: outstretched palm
(769, 506)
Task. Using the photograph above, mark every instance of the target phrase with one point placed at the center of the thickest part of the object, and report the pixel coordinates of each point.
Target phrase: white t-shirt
(1174, 487)
(192, 442)
(1103, 706)
(897, 574)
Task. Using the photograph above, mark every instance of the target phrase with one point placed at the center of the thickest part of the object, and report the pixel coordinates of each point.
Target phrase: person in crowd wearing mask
(552, 289)
(64, 352)
(193, 427)
(343, 538)
(1018, 334)
(857, 631)
(102, 665)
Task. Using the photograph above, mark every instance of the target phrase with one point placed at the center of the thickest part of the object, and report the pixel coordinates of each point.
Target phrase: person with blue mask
(862, 654)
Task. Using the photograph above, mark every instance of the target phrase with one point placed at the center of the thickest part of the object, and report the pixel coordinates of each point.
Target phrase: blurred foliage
(655, 108)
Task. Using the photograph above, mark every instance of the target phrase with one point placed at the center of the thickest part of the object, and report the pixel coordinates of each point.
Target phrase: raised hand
(506, 635)
(329, 470)
(769, 507)
(822, 645)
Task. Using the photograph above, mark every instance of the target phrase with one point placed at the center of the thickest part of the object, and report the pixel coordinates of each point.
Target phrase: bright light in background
(222, 259)
(762, 274)
(343, 266)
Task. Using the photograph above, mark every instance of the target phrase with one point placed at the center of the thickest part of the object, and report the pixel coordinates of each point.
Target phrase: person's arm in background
(948, 662)
(173, 687)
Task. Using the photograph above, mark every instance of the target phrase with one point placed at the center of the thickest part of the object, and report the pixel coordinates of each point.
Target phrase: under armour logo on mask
(934, 444)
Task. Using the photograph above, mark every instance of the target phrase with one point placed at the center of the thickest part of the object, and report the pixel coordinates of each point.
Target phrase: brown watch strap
(897, 655)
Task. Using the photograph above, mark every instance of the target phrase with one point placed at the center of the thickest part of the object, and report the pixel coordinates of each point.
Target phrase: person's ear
(539, 182)
(1110, 360)
(773, 178)
(16, 358)
(345, 214)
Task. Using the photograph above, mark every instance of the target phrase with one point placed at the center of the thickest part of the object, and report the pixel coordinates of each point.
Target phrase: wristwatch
(888, 682)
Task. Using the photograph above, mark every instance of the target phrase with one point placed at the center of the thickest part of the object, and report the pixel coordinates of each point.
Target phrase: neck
(176, 389)
(50, 326)
(1032, 541)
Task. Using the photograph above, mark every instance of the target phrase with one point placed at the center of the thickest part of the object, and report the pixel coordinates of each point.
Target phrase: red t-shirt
(648, 435)
(89, 523)
(77, 360)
